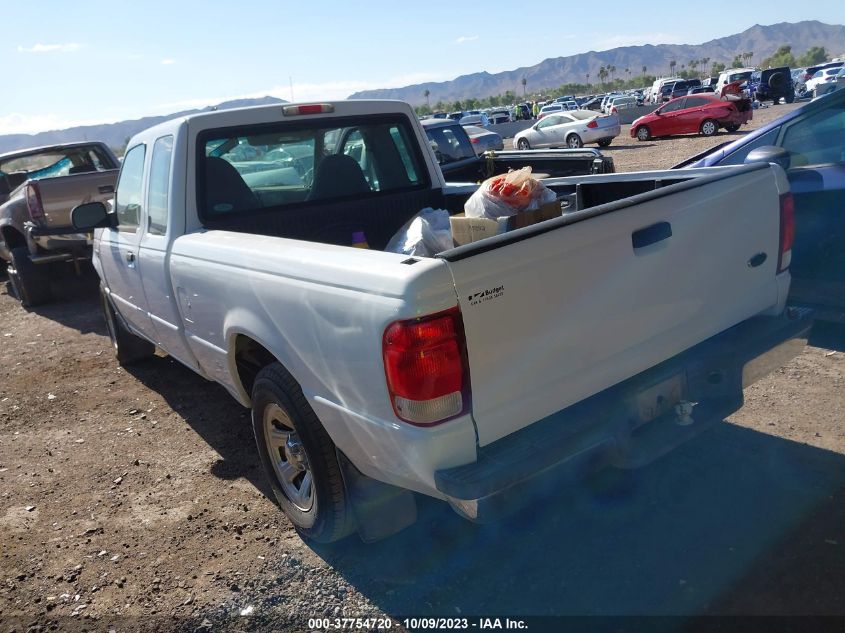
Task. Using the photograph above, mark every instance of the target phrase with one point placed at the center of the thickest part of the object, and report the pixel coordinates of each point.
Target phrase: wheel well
(250, 358)
(13, 238)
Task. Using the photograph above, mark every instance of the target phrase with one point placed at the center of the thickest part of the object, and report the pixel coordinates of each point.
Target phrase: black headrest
(338, 175)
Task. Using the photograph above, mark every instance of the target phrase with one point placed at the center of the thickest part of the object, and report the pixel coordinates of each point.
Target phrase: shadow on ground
(735, 522)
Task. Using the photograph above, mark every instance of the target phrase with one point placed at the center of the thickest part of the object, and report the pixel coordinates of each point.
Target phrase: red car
(694, 114)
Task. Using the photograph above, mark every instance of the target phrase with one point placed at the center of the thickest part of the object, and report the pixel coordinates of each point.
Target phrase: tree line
(612, 78)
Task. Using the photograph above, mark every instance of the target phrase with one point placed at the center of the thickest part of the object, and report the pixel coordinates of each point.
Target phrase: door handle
(106, 188)
(130, 257)
(651, 234)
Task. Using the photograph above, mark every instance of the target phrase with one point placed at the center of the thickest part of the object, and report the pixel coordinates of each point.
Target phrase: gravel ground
(133, 500)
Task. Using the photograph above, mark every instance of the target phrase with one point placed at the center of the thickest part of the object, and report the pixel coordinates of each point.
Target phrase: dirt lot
(134, 500)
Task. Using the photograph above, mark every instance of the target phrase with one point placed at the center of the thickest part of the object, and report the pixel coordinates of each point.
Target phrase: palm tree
(628, 72)
(523, 81)
(602, 74)
(672, 65)
(588, 80)
(645, 68)
(704, 62)
(693, 64)
(427, 92)
(611, 70)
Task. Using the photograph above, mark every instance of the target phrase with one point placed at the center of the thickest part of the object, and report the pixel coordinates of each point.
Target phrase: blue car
(809, 143)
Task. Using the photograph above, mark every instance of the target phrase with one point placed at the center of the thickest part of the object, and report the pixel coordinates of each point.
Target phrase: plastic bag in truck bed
(425, 235)
(508, 194)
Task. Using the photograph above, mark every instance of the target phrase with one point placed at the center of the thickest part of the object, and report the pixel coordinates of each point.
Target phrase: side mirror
(92, 215)
(769, 154)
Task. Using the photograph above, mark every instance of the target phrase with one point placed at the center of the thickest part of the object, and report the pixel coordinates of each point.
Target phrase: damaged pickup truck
(603, 337)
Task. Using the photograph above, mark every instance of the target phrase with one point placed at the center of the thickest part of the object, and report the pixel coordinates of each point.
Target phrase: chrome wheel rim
(642, 134)
(708, 128)
(288, 456)
(523, 144)
(573, 142)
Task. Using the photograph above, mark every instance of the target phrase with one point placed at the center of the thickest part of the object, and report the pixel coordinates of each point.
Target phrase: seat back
(225, 190)
(336, 176)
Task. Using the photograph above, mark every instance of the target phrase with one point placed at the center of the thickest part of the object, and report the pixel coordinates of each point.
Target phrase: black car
(682, 87)
(772, 84)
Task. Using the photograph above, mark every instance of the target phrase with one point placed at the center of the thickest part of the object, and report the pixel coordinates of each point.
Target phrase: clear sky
(71, 63)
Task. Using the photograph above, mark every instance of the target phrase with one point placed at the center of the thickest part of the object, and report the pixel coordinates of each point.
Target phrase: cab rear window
(263, 167)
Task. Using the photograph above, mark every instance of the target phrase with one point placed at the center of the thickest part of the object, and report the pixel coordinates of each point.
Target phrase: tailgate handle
(106, 188)
(651, 234)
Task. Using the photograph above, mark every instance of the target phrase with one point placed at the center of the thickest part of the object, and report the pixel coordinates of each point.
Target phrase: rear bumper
(59, 244)
(605, 430)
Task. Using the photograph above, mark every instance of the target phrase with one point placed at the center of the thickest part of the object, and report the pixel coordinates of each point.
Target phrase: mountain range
(114, 135)
(550, 73)
(554, 72)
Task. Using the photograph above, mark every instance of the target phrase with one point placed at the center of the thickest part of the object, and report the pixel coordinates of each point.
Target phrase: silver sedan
(483, 140)
(569, 129)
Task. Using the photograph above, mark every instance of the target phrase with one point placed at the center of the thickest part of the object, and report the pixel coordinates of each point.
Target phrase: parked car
(459, 162)
(730, 76)
(621, 103)
(772, 84)
(484, 140)
(571, 105)
(831, 83)
(592, 104)
(480, 119)
(798, 80)
(699, 114)
(38, 189)
(821, 77)
(681, 88)
(811, 139)
(700, 90)
(810, 71)
(499, 116)
(549, 109)
(376, 376)
(605, 102)
(569, 129)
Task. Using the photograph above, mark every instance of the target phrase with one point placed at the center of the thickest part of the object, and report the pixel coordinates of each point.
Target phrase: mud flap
(380, 510)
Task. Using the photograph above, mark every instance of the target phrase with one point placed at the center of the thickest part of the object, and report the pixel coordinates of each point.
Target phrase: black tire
(329, 516)
(643, 133)
(790, 97)
(708, 127)
(573, 141)
(732, 127)
(523, 144)
(30, 282)
(128, 348)
(605, 142)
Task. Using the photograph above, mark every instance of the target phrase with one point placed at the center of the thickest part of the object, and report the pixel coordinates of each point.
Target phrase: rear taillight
(593, 124)
(474, 140)
(425, 363)
(787, 230)
(613, 110)
(33, 202)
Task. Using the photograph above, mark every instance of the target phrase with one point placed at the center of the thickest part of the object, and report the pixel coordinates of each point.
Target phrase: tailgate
(557, 312)
(60, 195)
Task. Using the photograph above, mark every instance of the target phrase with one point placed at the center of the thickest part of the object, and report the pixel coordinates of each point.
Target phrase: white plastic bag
(508, 194)
(425, 235)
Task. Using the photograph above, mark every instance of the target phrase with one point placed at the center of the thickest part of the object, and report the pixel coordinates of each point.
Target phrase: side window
(817, 139)
(159, 186)
(695, 102)
(129, 194)
(738, 157)
(673, 106)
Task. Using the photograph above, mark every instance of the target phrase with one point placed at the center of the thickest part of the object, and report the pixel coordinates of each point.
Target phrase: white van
(658, 84)
(731, 75)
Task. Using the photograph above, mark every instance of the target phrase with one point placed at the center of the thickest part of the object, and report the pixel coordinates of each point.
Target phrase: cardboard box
(527, 218)
(466, 230)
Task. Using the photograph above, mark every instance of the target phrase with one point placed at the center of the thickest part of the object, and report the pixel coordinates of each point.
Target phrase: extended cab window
(817, 139)
(159, 185)
(281, 165)
(127, 199)
(450, 146)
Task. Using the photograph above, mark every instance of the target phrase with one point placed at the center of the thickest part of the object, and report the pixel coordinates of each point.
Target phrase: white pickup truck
(604, 337)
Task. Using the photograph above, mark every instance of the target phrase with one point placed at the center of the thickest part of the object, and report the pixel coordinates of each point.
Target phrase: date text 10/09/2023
(416, 624)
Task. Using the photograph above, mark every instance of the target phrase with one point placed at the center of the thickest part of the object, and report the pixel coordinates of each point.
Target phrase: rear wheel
(299, 457)
(523, 144)
(605, 142)
(732, 127)
(643, 133)
(128, 348)
(30, 282)
(790, 98)
(709, 127)
(573, 141)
